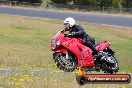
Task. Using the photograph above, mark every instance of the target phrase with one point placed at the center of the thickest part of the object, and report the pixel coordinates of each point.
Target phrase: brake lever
(69, 35)
(66, 35)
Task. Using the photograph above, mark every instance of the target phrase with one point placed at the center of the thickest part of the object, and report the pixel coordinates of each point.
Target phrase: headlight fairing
(56, 44)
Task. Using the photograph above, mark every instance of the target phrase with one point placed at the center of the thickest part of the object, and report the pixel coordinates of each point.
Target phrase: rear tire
(115, 67)
(110, 64)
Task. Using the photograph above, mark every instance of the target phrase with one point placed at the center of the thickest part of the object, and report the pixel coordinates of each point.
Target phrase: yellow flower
(34, 65)
(17, 75)
(98, 87)
(14, 78)
(45, 79)
(26, 75)
(21, 80)
(11, 78)
(17, 84)
(51, 72)
(123, 87)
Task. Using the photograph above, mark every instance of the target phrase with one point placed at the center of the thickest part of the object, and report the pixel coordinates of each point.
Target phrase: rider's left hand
(74, 33)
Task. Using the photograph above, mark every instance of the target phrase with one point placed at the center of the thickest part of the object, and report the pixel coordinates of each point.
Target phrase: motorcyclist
(78, 32)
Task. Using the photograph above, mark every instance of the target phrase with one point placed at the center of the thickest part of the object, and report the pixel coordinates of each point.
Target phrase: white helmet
(70, 21)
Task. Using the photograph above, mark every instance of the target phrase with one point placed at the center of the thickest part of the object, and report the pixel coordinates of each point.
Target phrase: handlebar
(69, 35)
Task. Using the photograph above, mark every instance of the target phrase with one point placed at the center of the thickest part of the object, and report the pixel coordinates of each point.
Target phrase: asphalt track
(125, 21)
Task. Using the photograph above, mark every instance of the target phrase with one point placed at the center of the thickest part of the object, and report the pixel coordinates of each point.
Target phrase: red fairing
(102, 46)
(83, 53)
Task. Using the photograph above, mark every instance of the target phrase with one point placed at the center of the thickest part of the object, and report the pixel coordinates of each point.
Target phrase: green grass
(25, 45)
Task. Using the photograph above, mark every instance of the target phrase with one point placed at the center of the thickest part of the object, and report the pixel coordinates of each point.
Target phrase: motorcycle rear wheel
(110, 64)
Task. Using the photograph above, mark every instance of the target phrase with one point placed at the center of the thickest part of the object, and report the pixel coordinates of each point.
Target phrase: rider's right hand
(62, 31)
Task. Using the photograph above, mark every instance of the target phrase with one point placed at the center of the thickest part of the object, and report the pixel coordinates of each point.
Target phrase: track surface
(124, 21)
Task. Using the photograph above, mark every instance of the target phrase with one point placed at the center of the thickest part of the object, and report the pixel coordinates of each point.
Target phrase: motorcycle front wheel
(66, 64)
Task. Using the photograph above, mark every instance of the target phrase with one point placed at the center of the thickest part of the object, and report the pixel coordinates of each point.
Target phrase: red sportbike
(69, 53)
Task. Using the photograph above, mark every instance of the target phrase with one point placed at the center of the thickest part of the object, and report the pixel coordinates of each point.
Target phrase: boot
(98, 55)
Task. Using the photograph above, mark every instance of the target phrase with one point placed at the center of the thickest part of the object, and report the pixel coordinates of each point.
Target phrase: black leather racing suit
(80, 33)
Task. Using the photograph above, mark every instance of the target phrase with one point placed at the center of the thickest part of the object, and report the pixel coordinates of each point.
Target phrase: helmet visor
(66, 23)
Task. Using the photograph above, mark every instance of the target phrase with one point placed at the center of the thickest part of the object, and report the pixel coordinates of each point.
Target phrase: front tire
(66, 64)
